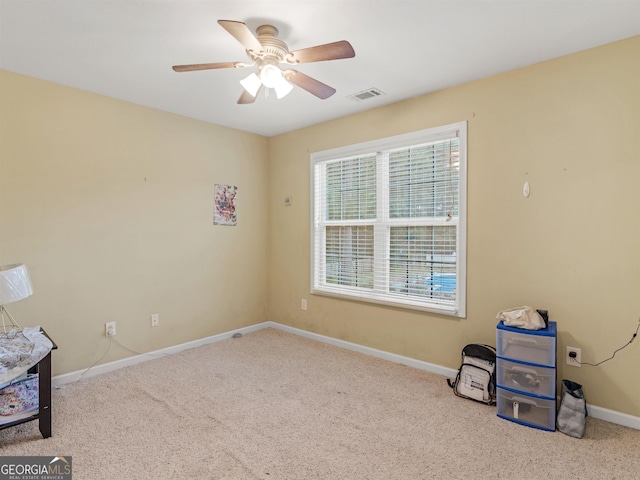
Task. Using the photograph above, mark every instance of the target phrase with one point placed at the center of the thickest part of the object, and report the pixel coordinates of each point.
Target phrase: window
(389, 220)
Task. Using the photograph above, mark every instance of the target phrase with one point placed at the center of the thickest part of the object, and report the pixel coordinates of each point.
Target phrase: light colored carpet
(272, 405)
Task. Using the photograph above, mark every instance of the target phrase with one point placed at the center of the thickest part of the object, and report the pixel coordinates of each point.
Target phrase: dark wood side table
(43, 414)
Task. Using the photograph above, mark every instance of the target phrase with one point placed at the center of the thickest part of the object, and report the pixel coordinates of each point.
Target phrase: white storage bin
(530, 411)
(528, 347)
(527, 378)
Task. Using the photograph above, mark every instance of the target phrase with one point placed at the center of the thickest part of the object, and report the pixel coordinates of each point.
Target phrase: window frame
(383, 223)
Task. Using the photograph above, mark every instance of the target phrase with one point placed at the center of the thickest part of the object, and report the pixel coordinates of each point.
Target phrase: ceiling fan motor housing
(274, 49)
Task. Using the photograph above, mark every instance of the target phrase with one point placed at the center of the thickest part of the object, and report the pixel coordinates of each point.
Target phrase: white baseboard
(613, 417)
(594, 411)
(392, 357)
(71, 377)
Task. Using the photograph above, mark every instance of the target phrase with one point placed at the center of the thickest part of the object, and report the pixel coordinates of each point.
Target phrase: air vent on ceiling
(365, 95)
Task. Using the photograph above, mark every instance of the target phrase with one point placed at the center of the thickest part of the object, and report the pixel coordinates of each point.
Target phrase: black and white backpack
(476, 378)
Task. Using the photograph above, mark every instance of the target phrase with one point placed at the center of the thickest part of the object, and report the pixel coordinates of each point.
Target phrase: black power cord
(614, 353)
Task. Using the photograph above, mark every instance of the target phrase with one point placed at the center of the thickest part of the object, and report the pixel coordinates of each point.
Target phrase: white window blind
(389, 221)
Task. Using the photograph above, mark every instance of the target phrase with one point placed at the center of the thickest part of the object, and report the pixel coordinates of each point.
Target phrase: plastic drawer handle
(521, 341)
(524, 400)
(524, 370)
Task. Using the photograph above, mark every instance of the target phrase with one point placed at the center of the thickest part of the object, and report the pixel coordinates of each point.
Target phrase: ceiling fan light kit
(271, 77)
(266, 51)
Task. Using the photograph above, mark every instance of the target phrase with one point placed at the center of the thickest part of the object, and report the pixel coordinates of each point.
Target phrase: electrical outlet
(110, 329)
(303, 304)
(155, 320)
(573, 360)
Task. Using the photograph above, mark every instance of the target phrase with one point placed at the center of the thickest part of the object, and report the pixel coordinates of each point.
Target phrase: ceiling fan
(268, 52)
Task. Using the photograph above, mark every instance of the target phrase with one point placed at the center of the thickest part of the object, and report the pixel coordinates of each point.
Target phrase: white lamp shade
(14, 283)
(270, 75)
(251, 84)
(282, 88)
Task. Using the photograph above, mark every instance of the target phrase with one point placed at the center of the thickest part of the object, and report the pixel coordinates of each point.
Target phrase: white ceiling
(125, 49)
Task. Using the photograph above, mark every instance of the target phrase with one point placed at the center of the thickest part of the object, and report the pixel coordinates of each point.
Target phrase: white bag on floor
(476, 378)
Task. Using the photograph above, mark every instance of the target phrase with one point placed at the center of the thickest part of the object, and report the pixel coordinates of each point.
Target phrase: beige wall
(571, 127)
(110, 205)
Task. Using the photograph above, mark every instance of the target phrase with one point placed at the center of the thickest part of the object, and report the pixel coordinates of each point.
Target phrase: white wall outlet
(573, 360)
(155, 320)
(110, 329)
(303, 304)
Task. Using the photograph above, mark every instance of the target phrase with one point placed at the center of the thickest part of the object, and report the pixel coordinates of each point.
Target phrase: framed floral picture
(224, 209)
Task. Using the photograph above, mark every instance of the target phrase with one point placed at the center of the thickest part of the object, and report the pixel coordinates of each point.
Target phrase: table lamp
(14, 285)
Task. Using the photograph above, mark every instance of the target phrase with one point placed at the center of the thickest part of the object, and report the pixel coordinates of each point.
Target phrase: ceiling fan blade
(247, 98)
(319, 53)
(206, 66)
(241, 32)
(311, 85)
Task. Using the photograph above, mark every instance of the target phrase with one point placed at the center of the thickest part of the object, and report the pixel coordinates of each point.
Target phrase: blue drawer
(527, 410)
(531, 346)
(526, 378)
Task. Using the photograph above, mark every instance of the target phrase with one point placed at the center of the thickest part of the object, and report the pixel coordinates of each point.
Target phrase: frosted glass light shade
(282, 88)
(251, 84)
(270, 76)
(14, 283)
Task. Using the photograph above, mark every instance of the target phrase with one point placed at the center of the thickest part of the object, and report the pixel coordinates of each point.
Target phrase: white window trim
(380, 234)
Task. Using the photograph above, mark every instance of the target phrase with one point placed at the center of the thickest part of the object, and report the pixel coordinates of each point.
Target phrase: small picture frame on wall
(225, 203)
